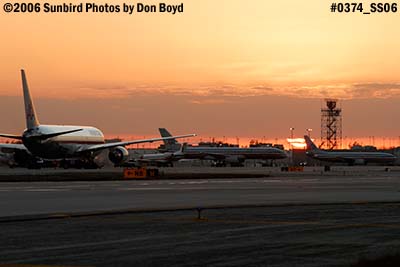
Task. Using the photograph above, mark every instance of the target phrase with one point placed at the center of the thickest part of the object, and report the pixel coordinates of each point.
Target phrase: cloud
(263, 88)
(209, 101)
(216, 93)
(375, 90)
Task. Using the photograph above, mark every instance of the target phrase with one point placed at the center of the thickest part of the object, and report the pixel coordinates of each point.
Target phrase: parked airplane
(350, 157)
(170, 144)
(17, 155)
(62, 142)
(164, 159)
(223, 155)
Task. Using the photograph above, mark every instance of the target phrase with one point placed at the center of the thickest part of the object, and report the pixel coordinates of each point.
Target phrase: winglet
(310, 144)
(30, 113)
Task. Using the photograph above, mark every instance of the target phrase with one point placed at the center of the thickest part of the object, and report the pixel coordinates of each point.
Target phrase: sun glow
(263, 72)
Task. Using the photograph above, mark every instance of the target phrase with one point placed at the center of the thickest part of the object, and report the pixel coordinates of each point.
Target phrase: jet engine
(118, 155)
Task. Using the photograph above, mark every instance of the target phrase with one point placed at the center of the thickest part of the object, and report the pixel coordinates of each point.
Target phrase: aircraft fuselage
(352, 156)
(61, 146)
(244, 153)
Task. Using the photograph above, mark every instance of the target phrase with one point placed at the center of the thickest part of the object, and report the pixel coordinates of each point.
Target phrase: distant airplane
(223, 155)
(164, 159)
(171, 144)
(62, 142)
(350, 157)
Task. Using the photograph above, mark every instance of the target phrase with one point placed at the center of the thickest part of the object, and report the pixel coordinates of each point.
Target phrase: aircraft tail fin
(30, 113)
(170, 144)
(164, 133)
(310, 143)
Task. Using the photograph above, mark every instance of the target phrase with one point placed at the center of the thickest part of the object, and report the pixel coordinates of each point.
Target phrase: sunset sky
(233, 68)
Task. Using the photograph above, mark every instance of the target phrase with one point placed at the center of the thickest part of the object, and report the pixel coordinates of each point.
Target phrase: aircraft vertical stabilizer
(164, 133)
(30, 113)
(310, 144)
(170, 144)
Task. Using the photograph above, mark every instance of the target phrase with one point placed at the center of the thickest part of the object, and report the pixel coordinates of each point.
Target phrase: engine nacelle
(118, 155)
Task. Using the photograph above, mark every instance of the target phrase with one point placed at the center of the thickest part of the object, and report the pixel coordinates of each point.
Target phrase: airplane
(163, 159)
(61, 142)
(172, 144)
(350, 157)
(17, 155)
(235, 156)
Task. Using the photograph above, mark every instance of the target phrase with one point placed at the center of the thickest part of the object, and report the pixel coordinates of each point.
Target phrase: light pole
(291, 146)
(291, 137)
(291, 132)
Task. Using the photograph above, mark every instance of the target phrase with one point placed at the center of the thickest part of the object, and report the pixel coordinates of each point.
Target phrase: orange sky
(222, 68)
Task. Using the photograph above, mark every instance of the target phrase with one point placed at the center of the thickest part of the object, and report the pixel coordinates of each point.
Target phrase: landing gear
(78, 164)
(91, 165)
(239, 164)
(167, 164)
(65, 164)
(219, 164)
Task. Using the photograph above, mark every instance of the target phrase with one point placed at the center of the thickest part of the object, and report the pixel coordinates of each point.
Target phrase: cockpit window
(94, 132)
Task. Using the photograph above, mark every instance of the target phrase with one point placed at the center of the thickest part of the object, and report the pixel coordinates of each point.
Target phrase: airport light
(291, 145)
(291, 137)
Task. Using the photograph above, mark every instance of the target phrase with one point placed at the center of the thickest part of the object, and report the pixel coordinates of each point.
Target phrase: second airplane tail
(170, 144)
(164, 133)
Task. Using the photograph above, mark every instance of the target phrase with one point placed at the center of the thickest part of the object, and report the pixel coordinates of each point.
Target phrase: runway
(282, 219)
(327, 235)
(23, 198)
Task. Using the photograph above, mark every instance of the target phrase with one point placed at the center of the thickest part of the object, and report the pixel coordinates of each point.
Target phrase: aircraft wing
(11, 148)
(125, 143)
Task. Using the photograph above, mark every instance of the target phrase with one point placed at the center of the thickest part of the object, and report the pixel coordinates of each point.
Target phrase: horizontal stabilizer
(18, 137)
(47, 136)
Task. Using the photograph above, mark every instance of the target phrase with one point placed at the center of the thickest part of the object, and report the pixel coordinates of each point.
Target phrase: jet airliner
(223, 155)
(350, 157)
(60, 142)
